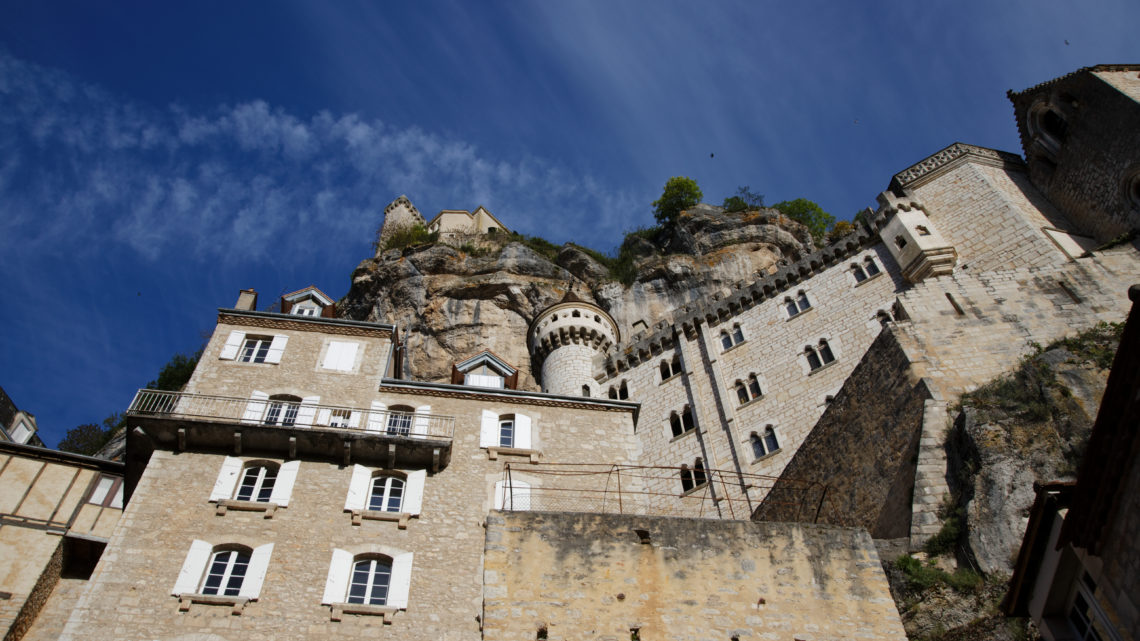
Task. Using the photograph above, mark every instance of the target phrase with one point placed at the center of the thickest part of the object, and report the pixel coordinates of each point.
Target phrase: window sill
(494, 452)
(236, 602)
(725, 350)
(677, 375)
(750, 402)
(822, 367)
(868, 279)
(341, 609)
(401, 518)
(798, 314)
(683, 435)
(246, 506)
(695, 489)
(766, 457)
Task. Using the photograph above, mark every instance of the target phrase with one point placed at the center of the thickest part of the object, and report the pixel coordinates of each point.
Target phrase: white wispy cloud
(82, 169)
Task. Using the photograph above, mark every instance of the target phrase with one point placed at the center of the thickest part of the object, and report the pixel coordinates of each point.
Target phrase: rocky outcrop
(451, 302)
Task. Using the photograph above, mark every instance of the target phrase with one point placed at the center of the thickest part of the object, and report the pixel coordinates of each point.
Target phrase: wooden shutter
(193, 568)
(414, 491)
(255, 409)
(276, 349)
(420, 426)
(376, 417)
(255, 573)
(283, 487)
(358, 488)
(401, 581)
(347, 356)
(307, 411)
(522, 431)
(227, 479)
(233, 344)
(489, 433)
(332, 355)
(336, 585)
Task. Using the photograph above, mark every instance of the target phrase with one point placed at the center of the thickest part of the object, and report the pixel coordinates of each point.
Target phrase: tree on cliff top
(681, 193)
(744, 200)
(808, 214)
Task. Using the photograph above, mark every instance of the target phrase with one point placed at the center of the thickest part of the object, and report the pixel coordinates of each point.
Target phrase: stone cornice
(943, 161)
(521, 397)
(270, 320)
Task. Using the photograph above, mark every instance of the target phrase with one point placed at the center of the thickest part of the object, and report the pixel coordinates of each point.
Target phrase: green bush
(947, 537)
(923, 576)
(409, 236)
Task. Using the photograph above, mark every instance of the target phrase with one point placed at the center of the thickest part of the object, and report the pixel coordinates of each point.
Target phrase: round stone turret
(565, 338)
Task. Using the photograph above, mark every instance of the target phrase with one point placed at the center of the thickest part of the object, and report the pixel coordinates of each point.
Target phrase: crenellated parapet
(565, 338)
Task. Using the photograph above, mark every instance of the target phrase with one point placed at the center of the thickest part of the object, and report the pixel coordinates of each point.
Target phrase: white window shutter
(255, 573)
(489, 433)
(358, 488)
(307, 411)
(227, 479)
(255, 409)
(401, 580)
(324, 416)
(283, 487)
(377, 417)
(354, 419)
(347, 356)
(420, 427)
(340, 569)
(414, 491)
(193, 568)
(500, 491)
(233, 344)
(522, 431)
(276, 349)
(332, 356)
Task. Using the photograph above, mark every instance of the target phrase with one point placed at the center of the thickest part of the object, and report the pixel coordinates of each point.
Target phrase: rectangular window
(339, 418)
(506, 433)
(108, 492)
(256, 348)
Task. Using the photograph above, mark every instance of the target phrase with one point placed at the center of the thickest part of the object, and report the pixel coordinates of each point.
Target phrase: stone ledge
(338, 610)
(238, 603)
(494, 452)
(247, 506)
(401, 518)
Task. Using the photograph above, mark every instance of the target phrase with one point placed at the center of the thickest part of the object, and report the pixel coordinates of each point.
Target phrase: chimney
(247, 300)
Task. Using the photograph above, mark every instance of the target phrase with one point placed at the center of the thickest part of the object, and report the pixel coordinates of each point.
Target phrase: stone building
(720, 470)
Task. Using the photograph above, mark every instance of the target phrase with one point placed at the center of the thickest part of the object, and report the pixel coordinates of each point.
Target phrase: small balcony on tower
(181, 421)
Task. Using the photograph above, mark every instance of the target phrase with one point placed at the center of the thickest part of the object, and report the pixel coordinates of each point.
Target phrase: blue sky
(155, 157)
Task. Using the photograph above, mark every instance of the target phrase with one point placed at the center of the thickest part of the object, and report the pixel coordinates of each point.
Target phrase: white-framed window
(764, 443)
(249, 348)
(399, 420)
(377, 490)
(506, 430)
(340, 356)
(798, 304)
(282, 410)
(380, 577)
(257, 481)
(21, 433)
(748, 390)
(107, 492)
(225, 570)
(683, 422)
(304, 311)
(1085, 616)
(819, 355)
(513, 495)
(730, 339)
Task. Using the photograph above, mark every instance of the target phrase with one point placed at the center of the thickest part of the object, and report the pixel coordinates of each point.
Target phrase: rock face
(451, 304)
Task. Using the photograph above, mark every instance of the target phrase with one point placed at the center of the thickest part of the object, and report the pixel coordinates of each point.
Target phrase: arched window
(883, 317)
(687, 418)
(226, 572)
(576, 314)
(686, 478)
(757, 446)
(386, 494)
(859, 274)
(507, 430)
(871, 267)
(812, 358)
(798, 305)
(400, 419)
(586, 391)
(737, 334)
(675, 424)
(741, 392)
(699, 473)
(666, 373)
(802, 301)
(749, 390)
(733, 338)
(754, 386)
(613, 393)
(669, 369)
(770, 441)
(725, 339)
(825, 352)
(257, 482)
(623, 391)
(371, 577)
(282, 410)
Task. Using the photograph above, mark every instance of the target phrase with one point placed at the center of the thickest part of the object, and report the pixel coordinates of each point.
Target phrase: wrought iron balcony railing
(288, 413)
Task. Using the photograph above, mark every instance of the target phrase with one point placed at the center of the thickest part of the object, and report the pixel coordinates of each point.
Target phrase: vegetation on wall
(808, 214)
(408, 237)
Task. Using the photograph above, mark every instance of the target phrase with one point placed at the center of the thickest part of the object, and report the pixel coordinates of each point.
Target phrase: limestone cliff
(453, 298)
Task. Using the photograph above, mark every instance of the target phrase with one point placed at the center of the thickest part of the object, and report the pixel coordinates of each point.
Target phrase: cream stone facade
(333, 493)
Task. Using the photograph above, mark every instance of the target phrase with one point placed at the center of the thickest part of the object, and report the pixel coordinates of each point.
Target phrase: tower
(564, 339)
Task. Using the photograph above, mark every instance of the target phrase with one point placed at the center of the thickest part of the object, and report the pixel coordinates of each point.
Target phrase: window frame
(113, 494)
(229, 572)
(258, 489)
(800, 302)
(339, 580)
(387, 493)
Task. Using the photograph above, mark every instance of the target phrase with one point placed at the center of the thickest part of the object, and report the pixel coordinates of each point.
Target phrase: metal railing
(289, 413)
(652, 491)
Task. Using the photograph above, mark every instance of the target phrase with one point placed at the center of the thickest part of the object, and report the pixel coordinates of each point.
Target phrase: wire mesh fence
(654, 491)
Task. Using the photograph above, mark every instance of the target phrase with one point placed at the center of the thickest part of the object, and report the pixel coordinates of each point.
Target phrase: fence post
(618, 470)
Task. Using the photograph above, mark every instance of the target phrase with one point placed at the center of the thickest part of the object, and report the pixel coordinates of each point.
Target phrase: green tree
(176, 373)
(681, 193)
(808, 214)
(744, 200)
(841, 229)
(89, 438)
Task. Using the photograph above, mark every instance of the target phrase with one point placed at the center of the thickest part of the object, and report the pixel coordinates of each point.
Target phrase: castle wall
(567, 369)
(588, 576)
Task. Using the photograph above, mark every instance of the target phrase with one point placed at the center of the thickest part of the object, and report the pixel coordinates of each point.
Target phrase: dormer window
(484, 370)
(309, 301)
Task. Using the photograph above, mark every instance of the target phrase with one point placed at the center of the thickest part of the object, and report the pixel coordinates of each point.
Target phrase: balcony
(180, 421)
